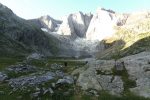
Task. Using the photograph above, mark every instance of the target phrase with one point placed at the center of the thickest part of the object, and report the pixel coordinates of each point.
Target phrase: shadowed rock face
(75, 25)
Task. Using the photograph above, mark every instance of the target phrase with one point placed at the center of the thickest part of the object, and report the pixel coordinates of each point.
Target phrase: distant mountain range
(105, 34)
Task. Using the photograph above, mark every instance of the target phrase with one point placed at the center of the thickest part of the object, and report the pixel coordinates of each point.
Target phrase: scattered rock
(21, 68)
(59, 73)
(31, 80)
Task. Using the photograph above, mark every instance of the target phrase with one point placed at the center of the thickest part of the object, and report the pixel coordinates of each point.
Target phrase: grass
(71, 64)
(7, 61)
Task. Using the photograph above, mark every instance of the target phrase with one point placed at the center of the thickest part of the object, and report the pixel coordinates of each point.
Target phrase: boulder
(3, 77)
(90, 79)
(137, 66)
(66, 80)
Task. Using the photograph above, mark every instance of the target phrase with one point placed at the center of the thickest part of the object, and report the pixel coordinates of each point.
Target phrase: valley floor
(63, 79)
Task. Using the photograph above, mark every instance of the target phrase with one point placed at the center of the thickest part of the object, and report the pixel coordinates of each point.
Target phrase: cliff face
(75, 25)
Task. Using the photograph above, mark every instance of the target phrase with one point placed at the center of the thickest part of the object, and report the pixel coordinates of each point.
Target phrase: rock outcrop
(130, 73)
(75, 25)
(99, 76)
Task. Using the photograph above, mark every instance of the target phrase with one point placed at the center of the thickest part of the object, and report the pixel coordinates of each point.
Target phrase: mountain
(75, 25)
(18, 36)
(102, 24)
(130, 38)
(103, 34)
(47, 22)
(41, 58)
(24, 37)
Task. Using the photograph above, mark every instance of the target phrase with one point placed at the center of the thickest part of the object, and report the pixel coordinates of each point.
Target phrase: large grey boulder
(91, 79)
(138, 69)
(75, 25)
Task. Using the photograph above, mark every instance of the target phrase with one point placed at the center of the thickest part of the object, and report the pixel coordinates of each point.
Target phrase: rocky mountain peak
(75, 25)
(47, 23)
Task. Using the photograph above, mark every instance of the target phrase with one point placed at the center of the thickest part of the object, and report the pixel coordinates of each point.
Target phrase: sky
(30, 9)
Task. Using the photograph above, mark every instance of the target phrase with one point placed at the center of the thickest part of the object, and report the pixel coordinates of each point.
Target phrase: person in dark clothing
(65, 63)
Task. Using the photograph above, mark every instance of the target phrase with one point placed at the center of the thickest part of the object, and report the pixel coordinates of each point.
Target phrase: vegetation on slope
(124, 43)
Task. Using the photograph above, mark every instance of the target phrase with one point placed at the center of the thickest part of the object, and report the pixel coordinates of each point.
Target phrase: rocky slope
(19, 36)
(130, 38)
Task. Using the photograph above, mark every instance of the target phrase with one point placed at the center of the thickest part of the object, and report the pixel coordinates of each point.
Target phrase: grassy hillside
(126, 42)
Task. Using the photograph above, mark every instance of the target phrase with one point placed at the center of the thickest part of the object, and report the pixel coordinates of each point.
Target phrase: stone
(34, 95)
(56, 66)
(50, 90)
(136, 66)
(53, 85)
(3, 76)
(59, 73)
(66, 80)
(93, 92)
